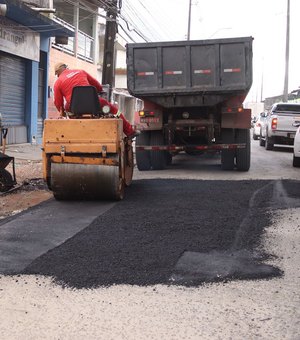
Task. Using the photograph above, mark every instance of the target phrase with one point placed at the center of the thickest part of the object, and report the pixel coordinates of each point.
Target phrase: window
(287, 108)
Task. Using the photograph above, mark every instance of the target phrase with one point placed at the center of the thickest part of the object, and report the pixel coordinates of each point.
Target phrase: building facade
(24, 62)
(34, 36)
(82, 50)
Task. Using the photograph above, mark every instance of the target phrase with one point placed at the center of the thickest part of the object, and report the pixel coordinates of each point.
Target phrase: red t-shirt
(63, 88)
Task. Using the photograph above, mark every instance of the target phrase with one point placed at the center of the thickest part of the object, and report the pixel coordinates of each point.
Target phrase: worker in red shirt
(63, 87)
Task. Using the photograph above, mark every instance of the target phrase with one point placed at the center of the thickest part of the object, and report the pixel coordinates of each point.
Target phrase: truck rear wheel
(158, 158)
(268, 143)
(169, 158)
(227, 156)
(128, 163)
(261, 140)
(143, 160)
(243, 155)
(296, 162)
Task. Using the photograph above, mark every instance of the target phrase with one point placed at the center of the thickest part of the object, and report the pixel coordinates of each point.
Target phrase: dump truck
(193, 93)
(85, 155)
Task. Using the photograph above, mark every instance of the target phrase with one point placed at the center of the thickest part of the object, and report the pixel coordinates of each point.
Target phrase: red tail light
(146, 113)
(234, 109)
(274, 124)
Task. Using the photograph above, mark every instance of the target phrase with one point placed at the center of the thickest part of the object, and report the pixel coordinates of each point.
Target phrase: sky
(264, 20)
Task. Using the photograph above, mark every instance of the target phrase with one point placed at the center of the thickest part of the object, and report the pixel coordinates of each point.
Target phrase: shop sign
(19, 40)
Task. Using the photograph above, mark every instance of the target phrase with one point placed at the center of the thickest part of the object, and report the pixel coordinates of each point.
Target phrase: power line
(126, 32)
(136, 18)
(159, 23)
(154, 19)
(106, 5)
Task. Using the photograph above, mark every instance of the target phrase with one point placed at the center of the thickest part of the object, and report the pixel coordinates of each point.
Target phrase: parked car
(258, 124)
(296, 156)
(279, 125)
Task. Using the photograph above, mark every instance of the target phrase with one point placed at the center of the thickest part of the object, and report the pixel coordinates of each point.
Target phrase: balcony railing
(85, 43)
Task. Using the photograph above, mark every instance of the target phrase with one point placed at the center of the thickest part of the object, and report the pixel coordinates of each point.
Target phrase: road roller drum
(85, 181)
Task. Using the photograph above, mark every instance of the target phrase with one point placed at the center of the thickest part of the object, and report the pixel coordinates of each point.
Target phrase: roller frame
(77, 167)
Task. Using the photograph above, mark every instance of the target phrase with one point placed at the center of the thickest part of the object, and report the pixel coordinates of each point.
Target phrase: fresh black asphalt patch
(26, 236)
(155, 235)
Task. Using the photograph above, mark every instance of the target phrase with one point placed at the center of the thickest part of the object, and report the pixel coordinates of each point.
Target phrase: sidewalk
(30, 152)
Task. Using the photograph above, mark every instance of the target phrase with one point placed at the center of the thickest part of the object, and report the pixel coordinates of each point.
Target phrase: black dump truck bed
(190, 73)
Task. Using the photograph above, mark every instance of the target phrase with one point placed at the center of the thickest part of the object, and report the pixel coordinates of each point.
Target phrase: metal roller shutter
(12, 96)
(40, 119)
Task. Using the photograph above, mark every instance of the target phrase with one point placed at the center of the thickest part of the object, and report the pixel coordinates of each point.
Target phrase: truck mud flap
(227, 156)
(142, 155)
(243, 155)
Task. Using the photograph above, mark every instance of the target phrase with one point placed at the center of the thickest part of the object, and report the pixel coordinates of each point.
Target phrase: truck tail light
(234, 109)
(146, 113)
(274, 124)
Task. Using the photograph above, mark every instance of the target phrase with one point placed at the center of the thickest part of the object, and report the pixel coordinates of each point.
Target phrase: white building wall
(121, 81)
(256, 108)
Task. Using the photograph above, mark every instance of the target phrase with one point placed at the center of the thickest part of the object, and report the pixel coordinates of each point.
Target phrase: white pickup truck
(279, 126)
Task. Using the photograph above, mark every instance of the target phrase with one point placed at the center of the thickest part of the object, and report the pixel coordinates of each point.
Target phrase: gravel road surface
(33, 307)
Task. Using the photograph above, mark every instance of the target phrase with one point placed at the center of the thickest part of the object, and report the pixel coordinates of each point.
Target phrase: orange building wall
(73, 63)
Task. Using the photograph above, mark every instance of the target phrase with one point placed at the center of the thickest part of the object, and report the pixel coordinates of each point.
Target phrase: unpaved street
(146, 268)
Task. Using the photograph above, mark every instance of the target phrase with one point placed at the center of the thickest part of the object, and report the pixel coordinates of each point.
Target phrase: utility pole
(109, 45)
(262, 82)
(287, 55)
(189, 21)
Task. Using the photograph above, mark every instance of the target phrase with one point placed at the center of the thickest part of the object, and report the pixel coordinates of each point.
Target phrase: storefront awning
(17, 11)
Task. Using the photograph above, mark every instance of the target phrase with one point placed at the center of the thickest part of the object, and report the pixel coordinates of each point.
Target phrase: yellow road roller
(85, 156)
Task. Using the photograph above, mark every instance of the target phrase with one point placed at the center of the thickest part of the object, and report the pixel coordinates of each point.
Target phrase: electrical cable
(160, 23)
(140, 15)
